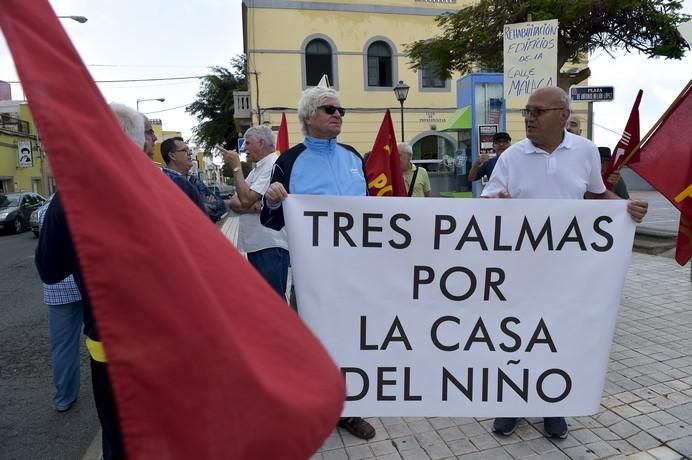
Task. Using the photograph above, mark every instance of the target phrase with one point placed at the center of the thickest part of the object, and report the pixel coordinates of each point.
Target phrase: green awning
(461, 119)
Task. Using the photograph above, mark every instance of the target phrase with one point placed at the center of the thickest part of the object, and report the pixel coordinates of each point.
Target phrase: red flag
(627, 143)
(383, 169)
(665, 161)
(282, 138)
(205, 360)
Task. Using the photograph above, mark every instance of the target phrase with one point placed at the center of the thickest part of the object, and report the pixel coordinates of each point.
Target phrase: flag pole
(658, 123)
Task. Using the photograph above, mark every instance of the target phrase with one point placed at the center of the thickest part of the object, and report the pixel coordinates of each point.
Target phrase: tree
(214, 105)
(472, 37)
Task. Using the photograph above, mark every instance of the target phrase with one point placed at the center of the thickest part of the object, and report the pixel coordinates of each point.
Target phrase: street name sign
(591, 93)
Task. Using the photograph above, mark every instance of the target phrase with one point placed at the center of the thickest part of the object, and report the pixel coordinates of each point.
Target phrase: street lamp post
(401, 92)
(160, 99)
(80, 19)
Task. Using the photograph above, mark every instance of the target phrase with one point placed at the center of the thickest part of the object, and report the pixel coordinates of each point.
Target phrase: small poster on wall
(485, 138)
(24, 154)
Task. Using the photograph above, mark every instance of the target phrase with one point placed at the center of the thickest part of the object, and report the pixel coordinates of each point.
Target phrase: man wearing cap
(485, 164)
(620, 189)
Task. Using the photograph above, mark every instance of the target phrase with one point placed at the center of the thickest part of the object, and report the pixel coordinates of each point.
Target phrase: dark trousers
(108, 416)
(272, 264)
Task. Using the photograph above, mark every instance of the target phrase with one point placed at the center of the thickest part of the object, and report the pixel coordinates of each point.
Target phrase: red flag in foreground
(664, 160)
(383, 169)
(205, 360)
(627, 143)
(282, 137)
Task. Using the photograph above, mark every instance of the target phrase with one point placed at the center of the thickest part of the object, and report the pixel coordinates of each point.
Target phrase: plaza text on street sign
(591, 93)
(473, 308)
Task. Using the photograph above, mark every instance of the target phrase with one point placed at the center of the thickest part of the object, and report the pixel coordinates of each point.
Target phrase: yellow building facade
(21, 155)
(360, 45)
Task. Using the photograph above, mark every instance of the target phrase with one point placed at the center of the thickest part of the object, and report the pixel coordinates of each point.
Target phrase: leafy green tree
(214, 105)
(471, 38)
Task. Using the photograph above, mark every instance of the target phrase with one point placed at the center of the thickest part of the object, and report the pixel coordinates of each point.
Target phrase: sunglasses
(330, 109)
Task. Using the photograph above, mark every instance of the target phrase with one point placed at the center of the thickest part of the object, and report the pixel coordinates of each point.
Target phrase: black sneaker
(504, 425)
(555, 427)
(357, 427)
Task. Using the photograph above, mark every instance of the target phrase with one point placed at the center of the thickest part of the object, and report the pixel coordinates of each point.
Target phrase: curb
(655, 232)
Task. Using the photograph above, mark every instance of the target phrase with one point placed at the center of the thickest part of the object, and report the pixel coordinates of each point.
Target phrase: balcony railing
(11, 123)
(241, 104)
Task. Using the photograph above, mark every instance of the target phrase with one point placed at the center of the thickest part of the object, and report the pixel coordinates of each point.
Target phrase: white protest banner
(530, 59)
(459, 307)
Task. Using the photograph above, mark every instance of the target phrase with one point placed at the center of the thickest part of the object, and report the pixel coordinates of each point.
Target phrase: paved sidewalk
(646, 412)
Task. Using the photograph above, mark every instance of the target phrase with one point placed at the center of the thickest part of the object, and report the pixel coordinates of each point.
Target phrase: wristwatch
(235, 170)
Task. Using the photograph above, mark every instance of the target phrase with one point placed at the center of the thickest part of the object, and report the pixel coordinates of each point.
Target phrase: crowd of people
(553, 161)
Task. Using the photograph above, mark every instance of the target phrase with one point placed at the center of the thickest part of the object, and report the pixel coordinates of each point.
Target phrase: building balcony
(12, 123)
(241, 105)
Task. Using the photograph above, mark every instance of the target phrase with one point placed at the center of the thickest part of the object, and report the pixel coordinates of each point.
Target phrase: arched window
(379, 64)
(318, 62)
(429, 78)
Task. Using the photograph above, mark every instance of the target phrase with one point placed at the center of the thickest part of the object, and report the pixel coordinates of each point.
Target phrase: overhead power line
(168, 109)
(607, 129)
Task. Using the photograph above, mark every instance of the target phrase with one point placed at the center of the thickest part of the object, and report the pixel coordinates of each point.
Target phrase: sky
(127, 39)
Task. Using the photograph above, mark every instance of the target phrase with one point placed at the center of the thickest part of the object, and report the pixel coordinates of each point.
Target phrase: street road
(29, 426)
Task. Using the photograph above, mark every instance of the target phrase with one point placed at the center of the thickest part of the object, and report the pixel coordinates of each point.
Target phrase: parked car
(16, 209)
(33, 223)
(225, 192)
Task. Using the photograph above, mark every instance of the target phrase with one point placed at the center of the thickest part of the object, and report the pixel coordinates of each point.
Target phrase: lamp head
(401, 91)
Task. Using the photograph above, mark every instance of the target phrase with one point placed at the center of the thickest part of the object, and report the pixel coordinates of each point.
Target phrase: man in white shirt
(550, 163)
(267, 249)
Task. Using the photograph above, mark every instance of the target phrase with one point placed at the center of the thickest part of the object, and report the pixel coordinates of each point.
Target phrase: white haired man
(550, 163)
(131, 121)
(318, 166)
(58, 267)
(64, 299)
(415, 178)
(266, 248)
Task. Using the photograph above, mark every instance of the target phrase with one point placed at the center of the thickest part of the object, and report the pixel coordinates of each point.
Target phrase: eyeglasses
(186, 150)
(330, 109)
(537, 112)
(149, 132)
